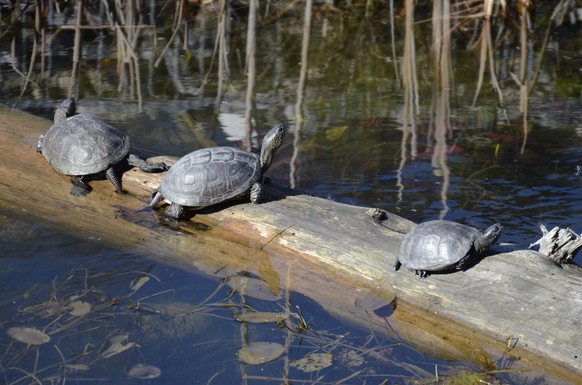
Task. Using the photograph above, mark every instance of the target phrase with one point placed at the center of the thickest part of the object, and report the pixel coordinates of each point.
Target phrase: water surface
(350, 141)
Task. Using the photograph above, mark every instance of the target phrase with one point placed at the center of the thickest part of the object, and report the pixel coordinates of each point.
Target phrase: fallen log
(518, 304)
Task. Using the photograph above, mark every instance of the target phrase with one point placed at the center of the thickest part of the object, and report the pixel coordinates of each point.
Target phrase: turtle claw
(79, 188)
(39, 144)
(422, 273)
(257, 193)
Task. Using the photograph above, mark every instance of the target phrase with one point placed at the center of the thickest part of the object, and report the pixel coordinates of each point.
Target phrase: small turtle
(444, 246)
(212, 175)
(86, 146)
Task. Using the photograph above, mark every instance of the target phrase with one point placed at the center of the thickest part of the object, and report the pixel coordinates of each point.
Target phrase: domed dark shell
(211, 175)
(437, 245)
(83, 145)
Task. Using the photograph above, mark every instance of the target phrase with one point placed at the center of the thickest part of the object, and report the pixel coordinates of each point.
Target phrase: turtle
(444, 246)
(212, 175)
(85, 146)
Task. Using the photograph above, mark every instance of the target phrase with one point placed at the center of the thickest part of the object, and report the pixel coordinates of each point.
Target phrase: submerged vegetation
(73, 330)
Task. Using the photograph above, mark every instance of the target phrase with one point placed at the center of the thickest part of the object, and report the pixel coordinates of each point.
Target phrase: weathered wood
(332, 252)
(560, 245)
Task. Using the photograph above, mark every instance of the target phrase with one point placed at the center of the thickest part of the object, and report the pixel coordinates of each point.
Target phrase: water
(175, 325)
(348, 144)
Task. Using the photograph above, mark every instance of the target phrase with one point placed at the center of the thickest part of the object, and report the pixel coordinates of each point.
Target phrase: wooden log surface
(517, 304)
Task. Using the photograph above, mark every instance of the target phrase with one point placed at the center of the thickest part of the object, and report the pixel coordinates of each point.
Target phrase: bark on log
(518, 303)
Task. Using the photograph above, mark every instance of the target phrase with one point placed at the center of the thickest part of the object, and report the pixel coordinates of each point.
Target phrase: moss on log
(517, 304)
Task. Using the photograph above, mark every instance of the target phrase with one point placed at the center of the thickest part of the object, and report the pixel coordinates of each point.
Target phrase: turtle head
(67, 108)
(271, 143)
(488, 239)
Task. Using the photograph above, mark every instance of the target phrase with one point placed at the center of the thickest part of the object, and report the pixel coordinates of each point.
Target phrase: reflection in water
(440, 111)
(411, 102)
(301, 86)
(351, 81)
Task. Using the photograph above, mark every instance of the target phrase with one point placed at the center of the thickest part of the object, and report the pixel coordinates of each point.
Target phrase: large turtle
(85, 146)
(212, 175)
(437, 246)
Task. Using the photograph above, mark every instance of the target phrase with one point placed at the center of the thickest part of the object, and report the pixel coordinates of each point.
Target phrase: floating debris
(77, 367)
(117, 346)
(313, 362)
(47, 309)
(257, 353)
(144, 372)
(79, 308)
(256, 317)
(31, 336)
(561, 245)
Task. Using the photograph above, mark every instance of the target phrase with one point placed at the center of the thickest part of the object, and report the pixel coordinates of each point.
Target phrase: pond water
(117, 316)
(356, 137)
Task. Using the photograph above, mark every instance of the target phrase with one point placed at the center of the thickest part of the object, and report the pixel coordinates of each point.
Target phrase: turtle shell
(211, 175)
(83, 145)
(437, 245)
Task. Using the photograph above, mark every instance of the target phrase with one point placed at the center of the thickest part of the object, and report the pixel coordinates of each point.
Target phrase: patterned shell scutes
(437, 245)
(84, 145)
(211, 175)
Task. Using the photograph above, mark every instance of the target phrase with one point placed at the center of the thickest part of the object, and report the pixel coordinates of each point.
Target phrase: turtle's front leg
(257, 193)
(175, 211)
(80, 188)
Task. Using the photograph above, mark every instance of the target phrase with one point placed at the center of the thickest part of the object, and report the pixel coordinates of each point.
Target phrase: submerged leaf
(253, 287)
(351, 358)
(174, 320)
(31, 336)
(335, 133)
(138, 283)
(117, 346)
(144, 372)
(257, 353)
(79, 308)
(47, 309)
(313, 362)
(256, 317)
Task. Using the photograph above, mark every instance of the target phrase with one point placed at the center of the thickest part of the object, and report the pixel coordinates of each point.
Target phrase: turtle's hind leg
(112, 176)
(397, 265)
(157, 197)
